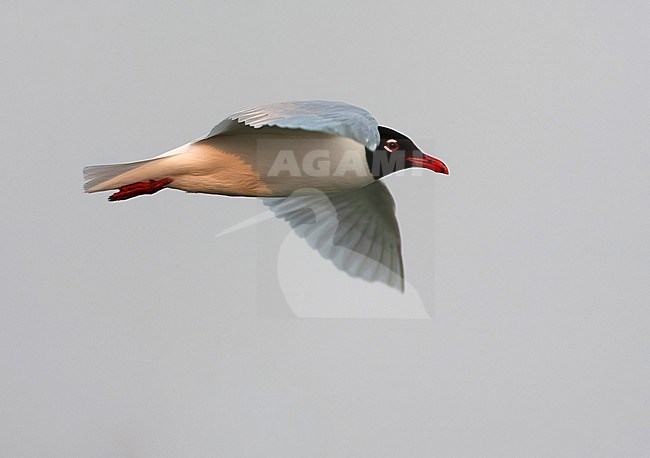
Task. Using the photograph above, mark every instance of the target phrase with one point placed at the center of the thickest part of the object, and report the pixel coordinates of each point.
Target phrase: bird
(305, 159)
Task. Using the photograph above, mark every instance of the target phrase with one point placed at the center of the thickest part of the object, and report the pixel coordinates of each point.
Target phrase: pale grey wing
(336, 118)
(357, 230)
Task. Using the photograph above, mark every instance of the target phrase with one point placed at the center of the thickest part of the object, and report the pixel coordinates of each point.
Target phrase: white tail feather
(97, 175)
(112, 176)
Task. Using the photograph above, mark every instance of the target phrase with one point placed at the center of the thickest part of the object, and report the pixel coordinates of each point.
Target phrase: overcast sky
(128, 329)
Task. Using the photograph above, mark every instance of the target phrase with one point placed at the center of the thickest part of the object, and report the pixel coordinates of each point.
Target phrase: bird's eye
(391, 145)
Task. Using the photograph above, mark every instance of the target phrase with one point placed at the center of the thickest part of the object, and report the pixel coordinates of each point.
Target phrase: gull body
(250, 163)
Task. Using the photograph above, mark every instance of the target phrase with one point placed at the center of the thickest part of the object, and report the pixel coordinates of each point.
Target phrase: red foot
(142, 187)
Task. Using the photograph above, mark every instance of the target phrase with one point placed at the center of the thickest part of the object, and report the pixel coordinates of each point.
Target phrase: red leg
(142, 187)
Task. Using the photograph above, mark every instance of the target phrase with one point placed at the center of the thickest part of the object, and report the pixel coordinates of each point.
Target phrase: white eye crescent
(391, 145)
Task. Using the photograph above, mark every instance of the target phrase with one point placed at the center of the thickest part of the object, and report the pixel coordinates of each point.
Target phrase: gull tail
(111, 176)
(114, 176)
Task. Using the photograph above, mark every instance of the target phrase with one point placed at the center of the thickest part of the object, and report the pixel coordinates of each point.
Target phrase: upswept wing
(336, 118)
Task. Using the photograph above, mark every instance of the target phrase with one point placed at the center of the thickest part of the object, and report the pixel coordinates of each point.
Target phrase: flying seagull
(308, 159)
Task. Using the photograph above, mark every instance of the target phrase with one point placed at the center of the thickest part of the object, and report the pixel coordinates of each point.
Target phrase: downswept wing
(336, 118)
(357, 230)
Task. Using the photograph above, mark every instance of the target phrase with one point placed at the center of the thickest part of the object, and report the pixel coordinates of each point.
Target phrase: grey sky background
(128, 330)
